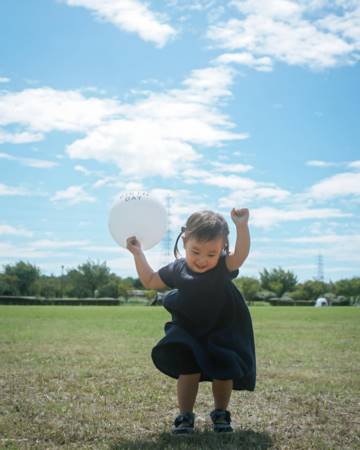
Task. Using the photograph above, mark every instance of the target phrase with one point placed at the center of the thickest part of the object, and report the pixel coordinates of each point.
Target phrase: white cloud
(232, 182)
(39, 163)
(45, 109)
(262, 64)
(333, 247)
(317, 163)
(54, 244)
(154, 136)
(10, 252)
(44, 251)
(83, 170)
(157, 135)
(195, 175)
(244, 189)
(52, 254)
(231, 168)
(12, 190)
(340, 185)
(180, 203)
(288, 31)
(4, 80)
(30, 162)
(330, 239)
(278, 9)
(132, 16)
(19, 138)
(134, 186)
(347, 25)
(109, 181)
(14, 231)
(88, 172)
(268, 217)
(191, 5)
(354, 165)
(138, 147)
(73, 195)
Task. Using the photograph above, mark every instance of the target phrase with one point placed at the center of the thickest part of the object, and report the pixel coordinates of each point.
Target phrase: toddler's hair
(204, 226)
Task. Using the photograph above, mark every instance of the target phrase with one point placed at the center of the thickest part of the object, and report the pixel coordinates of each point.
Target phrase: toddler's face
(202, 256)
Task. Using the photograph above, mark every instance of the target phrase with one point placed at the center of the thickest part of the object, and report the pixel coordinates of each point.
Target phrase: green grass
(82, 378)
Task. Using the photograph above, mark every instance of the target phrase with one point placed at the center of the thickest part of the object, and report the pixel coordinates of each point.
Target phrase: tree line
(283, 284)
(88, 280)
(95, 280)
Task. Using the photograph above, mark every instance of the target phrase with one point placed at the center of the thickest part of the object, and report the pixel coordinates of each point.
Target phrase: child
(210, 337)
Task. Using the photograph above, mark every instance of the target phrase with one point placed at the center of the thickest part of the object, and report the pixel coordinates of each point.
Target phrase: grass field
(82, 378)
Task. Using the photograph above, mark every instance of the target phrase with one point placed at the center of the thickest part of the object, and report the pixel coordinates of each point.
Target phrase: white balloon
(140, 215)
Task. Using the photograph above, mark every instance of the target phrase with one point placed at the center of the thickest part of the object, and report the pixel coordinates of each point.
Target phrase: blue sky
(212, 104)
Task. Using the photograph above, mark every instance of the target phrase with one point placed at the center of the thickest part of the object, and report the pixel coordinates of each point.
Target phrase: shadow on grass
(207, 440)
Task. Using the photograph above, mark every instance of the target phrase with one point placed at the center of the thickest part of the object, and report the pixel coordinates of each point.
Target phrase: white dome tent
(321, 301)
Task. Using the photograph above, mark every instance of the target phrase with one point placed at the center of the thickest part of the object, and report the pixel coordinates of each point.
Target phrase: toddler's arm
(240, 218)
(149, 278)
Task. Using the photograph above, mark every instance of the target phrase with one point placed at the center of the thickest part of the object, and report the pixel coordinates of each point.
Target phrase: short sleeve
(225, 270)
(169, 274)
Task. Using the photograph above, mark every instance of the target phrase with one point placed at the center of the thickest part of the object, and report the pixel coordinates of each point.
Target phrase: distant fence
(156, 300)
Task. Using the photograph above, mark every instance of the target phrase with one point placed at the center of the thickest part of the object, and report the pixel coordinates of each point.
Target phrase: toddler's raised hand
(240, 216)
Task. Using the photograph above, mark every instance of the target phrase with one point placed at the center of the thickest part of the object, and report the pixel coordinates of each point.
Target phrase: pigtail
(176, 251)
(226, 247)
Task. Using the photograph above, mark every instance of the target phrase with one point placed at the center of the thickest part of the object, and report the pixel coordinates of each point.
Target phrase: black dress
(211, 330)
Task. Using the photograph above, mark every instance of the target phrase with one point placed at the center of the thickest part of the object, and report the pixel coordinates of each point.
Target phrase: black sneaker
(221, 421)
(184, 424)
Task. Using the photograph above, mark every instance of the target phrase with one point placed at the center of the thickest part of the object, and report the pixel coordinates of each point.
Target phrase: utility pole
(62, 281)
(320, 267)
(168, 232)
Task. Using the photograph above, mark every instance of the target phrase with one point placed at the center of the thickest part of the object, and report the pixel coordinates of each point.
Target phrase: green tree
(8, 285)
(129, 281)
(24, 276)
(347, 287)
(278, 281)
(249, 287)
(309, 290)
(137, 284)
(125, 285)
(49, 286)
(87, 279)
(150, 294)
(111, 288)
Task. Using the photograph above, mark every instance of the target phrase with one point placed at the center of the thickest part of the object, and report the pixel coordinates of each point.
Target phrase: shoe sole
(223, 429)
(183, 433)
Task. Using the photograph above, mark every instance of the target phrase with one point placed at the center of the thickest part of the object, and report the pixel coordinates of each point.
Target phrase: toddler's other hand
(133, 245)
(240, 216)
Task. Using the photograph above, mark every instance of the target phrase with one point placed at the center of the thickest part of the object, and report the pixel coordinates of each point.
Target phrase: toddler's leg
(187, 389)
(222, 392)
